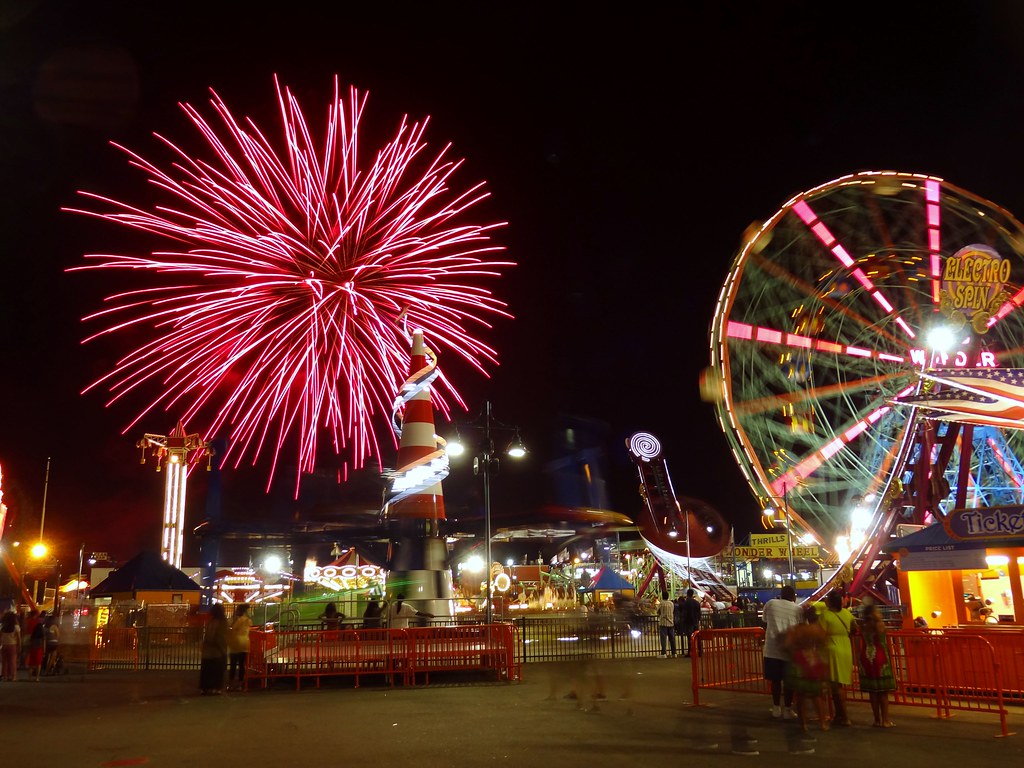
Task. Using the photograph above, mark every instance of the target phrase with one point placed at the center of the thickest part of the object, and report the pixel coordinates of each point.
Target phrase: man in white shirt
(400, 612)
(666, 623)
(780, 614)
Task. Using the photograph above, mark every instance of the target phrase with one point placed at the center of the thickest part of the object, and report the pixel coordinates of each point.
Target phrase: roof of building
(146, 571)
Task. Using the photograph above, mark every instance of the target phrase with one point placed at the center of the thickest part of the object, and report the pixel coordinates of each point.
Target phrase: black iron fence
(559, 637)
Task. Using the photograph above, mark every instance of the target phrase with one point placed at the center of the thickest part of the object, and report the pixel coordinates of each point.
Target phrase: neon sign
(972, 286)
(345, 577)
(958, 359)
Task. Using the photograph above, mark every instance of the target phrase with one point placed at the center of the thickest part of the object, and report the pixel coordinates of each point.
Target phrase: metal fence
(559, 637)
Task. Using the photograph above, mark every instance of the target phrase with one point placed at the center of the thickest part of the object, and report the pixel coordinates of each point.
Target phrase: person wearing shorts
(780, 614)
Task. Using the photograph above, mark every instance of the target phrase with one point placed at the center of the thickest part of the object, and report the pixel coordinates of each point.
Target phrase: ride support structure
(680, 532)
(417, 553)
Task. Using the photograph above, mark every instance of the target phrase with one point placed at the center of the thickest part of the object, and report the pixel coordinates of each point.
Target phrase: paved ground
(158, 719)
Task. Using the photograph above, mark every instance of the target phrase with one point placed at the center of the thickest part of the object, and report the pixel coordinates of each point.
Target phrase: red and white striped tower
(418, 562)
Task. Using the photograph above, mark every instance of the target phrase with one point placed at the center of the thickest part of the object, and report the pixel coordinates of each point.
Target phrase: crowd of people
(809, 656)
(30, 642)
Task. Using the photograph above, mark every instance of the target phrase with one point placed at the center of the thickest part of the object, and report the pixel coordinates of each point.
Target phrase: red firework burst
(289, 275)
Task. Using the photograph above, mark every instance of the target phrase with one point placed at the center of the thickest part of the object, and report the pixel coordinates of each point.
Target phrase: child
(807, 672)
(873, 662)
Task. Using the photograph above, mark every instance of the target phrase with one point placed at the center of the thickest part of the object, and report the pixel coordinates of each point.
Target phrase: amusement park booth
(147, 578)
(606, 584)
(946, 579)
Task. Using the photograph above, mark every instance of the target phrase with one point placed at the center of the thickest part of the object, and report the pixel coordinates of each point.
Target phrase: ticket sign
(776, 552)
(986, 523)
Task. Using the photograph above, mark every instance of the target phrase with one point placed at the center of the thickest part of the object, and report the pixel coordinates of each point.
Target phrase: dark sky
(628, 150)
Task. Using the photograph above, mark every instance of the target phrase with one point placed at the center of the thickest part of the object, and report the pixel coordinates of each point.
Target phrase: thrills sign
(972, 286)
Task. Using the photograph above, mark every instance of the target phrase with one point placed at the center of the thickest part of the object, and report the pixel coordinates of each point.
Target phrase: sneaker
(664, 656)
(788, 714)
(776, 711)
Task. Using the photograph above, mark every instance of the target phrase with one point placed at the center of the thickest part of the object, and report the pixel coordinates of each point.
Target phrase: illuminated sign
(775, 552)
(958, 359)
(972, 285)
(768, 539)
(987, 523)
(345, 577)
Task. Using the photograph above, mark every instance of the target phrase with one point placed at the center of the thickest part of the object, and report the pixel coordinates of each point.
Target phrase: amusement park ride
(865, 352)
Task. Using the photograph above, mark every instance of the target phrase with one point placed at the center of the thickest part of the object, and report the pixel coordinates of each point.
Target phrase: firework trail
(286, 276)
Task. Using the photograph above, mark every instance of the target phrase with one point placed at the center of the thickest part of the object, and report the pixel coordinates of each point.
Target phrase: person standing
(807, 671)
(400, 612)
(238, 646)
(36, 645)
(839, 626)
(372, 615)
(51, 645)
(214, 652)
(780, 614)
(666, 623)
(690, 620)
(32, 619)
(331, 618)
(10, 646)
(873, 662)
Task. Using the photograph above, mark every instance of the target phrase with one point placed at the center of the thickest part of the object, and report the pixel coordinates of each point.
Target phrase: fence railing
(959, 670)
(561, 637)
(410, 655)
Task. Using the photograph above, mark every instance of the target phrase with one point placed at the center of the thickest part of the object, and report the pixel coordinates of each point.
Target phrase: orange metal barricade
(485, 647)
(947, 670)
(394, 653)
(114, 647)
(728, 660)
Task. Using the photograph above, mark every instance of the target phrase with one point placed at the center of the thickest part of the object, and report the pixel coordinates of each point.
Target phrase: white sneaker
(776, 711)
(788, 714)
(664, 656)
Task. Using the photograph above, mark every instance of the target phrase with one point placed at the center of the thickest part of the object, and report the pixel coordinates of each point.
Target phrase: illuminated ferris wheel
(830, 312)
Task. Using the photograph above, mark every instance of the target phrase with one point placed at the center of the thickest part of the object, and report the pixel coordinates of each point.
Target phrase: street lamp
(486, 464)
(769, 512)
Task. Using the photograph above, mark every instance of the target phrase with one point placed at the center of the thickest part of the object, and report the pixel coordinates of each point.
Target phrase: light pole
(769, 512)
(486, 463)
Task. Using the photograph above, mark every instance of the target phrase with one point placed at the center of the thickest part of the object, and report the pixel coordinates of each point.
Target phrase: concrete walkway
(158, 718)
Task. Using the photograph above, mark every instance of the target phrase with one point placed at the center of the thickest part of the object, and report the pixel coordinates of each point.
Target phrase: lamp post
(769, 512)
(486, 463)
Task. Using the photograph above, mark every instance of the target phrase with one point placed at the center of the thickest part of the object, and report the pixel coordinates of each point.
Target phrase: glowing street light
(486, 463)
(787, 519)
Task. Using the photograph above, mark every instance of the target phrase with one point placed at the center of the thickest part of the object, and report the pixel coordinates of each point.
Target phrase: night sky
(627, 151)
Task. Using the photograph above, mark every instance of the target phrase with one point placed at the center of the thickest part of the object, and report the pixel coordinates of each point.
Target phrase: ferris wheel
(830, 312)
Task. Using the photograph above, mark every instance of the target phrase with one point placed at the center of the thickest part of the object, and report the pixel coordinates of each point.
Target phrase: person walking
(690, 620)
(780, 614)
(10, 646)
(873, 664)
(839, 627)
(238, 647)
(666, 624)
(214, 652)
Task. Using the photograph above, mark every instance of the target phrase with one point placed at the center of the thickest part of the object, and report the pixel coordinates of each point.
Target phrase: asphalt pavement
(112, 718)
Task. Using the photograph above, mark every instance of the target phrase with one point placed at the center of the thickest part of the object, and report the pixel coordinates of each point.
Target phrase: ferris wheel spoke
(819, 456)
(807, 289)
(756, 333)
(755, 407)
(824, 234)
